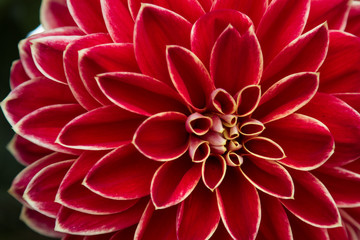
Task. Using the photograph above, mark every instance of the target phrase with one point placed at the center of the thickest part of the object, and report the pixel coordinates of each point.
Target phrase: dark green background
(17, 18)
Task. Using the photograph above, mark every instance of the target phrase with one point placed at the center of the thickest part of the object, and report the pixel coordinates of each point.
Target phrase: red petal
(197, 216)
(305, 54)
(283, 22)
(17, 74)
(73, 194)
(112, 57)
(73, 222)
(240, 209)
(236, 60)
(208, 28)
(306, 141)
(102, 128)
(41, 191)
(338, 233)
(32, 95)
(122, 174)
(312, 202)
(174, 181)
(162, 137)
(124, 234)
(140, 93)
(199, 150)
(221, 233)
(353, 99)
(118, 20)
(264, 148)
(71, 58)
(155, 222)
(155, 28)
(342, 184)
(340, 72)
(286, 96)
(334, 113)
(189, 76)
(87, 14)
(353, 25)
(55, 14)
(213, 171)
(43, 125)
(247, 99)
(268, 176)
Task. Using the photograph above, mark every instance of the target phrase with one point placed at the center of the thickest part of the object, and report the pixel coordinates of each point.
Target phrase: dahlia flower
(189, 120)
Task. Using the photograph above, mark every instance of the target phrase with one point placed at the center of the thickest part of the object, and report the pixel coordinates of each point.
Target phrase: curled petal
(222, 102)
(55, 14)
(17, 74)
(264, 148)
(174, 181)
(233, 159)
(102, 128)
(162, 137)
(251, 128)
(198, 124)
(247, 99)
(213, 171)
(199, 150)
(122, 174)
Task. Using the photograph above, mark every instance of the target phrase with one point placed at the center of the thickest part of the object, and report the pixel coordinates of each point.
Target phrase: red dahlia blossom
(189, 120)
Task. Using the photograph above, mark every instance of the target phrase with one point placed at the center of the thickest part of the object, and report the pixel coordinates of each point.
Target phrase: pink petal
(17, 74)
(122, 174)
(156, 223)
(48, 52)
(264, 148)
(197, 216)
(73, 194)
(54, 14)
(334, 113)
(25, 151)
(162, 137)
(118, 20)
(41, 190)
(247, 99)
(253, 9)
(43, 125)
(213, 171)
(340, 71)
(155, 28)
(305, 54)
(342, 184)
(189, 76)
(139, 93)
(87, 15)
(39, 223)
(190, 10)
(268, 176)
(306, 141)
(334, 12)
(174, 181)
(312, 202)
(71, 58)
(286, 96)
(73, 222)
(274, 222)
(282, 22)
(208, 28)
(32, 95)
(236, 60)
(112, 57)
(244, 200)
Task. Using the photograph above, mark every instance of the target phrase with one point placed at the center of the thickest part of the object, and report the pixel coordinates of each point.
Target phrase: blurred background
(17, 19)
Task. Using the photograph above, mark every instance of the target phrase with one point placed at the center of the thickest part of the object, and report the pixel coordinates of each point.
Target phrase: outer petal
(103, 128)
(286, 96)
(155, 28)
(174, 181)
(338, 233)
(43, 125)
(72, 222)
(54, 14)
(353, 25)
(221, 233)
(73, 194)
(312, 202)
(162, 137)
(305, 54)
(197, 216)
(244, 200)
(306, 141)
(352, 99)
(140, 93)
(125, 234)
(122, 174)
(236, 60)
(17, 74)
(283, 22)
(334, 113)
(87, 15)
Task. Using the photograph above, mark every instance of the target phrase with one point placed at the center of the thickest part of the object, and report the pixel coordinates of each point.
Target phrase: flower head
(199, 119)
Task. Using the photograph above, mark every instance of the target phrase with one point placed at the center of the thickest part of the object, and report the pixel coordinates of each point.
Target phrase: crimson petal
(213, 171)
(102, 128)
(264, 148)
(124, 234)
(353, 25)
(244, 200)
(122, 174)
(55, 14)
(17, 74)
